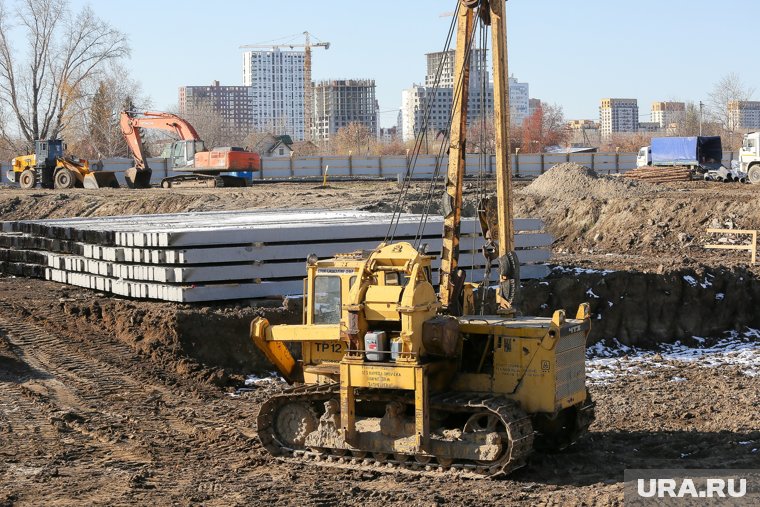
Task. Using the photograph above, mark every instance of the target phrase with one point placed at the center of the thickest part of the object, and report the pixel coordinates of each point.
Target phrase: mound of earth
(574, 181)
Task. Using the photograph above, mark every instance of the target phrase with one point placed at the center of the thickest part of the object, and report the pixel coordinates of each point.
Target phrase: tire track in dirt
(131, 426)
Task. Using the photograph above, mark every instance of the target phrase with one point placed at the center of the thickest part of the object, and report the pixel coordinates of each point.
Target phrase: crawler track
(517, 424)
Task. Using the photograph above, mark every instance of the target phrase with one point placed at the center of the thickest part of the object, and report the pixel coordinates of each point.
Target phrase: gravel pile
(574, 181)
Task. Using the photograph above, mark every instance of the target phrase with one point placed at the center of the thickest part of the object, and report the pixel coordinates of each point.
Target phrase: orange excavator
(189, 155)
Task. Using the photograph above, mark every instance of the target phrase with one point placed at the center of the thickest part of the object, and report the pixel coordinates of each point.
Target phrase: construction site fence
(524, 165)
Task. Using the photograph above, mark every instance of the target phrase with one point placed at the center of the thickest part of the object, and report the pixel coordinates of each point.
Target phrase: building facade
(667, 113)
(618, 115)
(276, 79)
(744, 114)
(232, 103)
(337, 103)
(422, 105)
(480, 65)
(444, 60)
(519, 101)
(649, 126)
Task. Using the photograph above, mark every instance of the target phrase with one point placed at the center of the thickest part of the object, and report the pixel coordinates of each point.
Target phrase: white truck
(749, 157)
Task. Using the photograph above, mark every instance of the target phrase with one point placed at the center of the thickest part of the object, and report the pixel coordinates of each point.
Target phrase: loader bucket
(138, 178)
(100, 179)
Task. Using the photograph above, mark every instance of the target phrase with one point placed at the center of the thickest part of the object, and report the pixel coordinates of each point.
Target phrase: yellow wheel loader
(48, 167)
(393, 376)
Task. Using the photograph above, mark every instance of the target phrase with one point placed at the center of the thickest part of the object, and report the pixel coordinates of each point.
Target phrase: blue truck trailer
(700, 152)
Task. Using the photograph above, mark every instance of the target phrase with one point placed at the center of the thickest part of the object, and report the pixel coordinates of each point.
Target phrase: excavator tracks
(516, 423)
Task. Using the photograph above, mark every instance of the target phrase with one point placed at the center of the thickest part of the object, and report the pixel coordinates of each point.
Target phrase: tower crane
(308, 87)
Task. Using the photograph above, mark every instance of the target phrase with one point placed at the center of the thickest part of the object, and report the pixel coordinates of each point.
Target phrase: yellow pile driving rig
(393, 373)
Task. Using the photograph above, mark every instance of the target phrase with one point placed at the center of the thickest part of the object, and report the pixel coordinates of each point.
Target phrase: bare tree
(65, 50)
(730, 89)
(627, 142)
(481, 135)
(97, 133)
(211, 125)
(354, 137)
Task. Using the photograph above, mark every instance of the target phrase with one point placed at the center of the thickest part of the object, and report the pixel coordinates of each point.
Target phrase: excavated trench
(645, 309)
(636, 308)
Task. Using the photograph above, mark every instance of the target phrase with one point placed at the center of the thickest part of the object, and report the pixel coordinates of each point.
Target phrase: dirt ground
(107, 401)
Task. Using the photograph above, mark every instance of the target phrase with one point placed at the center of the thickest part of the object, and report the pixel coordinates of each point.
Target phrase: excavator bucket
(100, 179)
(138, 178)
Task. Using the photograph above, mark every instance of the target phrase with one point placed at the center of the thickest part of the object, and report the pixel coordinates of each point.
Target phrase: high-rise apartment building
(519, 101)
(480, 64)
(444, 60)
(421, 101)
(667, 113)
(276, 79)
(422, 105)
(618, 115)
(744, 114)
(338, 103)
(232, 103)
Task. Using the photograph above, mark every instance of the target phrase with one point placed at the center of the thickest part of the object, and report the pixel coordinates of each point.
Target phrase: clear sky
(572, 53)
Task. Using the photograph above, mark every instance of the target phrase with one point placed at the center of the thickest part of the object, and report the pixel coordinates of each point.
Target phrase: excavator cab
(183, 153)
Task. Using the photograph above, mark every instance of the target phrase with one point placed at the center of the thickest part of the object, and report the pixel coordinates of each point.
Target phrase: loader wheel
(754, 174)
(27, 179)
(64, 179)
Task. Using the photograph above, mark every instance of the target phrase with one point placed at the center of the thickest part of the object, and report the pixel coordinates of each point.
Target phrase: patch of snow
(581, 271)
(590, 293)
(690, 280)
(255, 380)
(610, 303)
(605, 363)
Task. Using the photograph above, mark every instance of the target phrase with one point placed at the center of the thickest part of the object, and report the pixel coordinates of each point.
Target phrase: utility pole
(701, 106)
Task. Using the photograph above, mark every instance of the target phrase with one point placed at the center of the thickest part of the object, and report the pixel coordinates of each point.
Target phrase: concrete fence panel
(524, 165)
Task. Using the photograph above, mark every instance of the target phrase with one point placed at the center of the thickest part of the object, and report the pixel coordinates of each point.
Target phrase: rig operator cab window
(327, 300)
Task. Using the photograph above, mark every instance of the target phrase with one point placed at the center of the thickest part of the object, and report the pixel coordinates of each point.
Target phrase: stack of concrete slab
(210, 256)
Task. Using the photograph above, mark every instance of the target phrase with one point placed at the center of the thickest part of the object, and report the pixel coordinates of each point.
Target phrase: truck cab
(644, 157)
(749, 157)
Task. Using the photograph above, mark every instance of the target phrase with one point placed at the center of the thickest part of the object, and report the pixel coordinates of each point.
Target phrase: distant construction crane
(308, 87)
